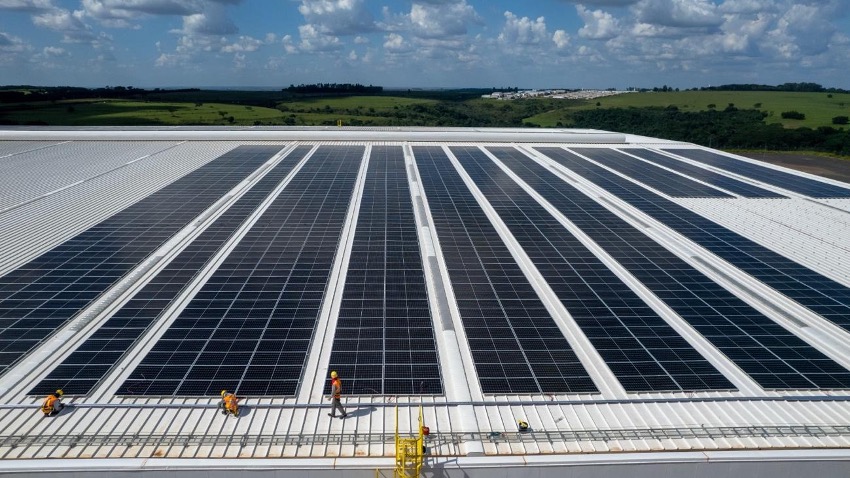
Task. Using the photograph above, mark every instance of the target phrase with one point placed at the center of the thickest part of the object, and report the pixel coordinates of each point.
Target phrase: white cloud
(313, 40)
(678, 13)
(243, 44)
(338, 17)
(26, 5)
(523, 31)
(441, 19)
(561, 39)
(12, 44)
(598, 25)
(360, 40)
(396, 44)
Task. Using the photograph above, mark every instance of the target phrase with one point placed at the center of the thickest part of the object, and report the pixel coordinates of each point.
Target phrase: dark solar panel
(250, 327)
(41, 295)
(730, 184)
(384, 341)
(746, 336)
(516, 345)
(662, 180)
(789, 181)
(81, 371)
(820, 294)
(641, 349)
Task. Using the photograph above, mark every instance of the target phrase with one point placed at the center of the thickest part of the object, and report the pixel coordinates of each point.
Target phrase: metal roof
(56, 183)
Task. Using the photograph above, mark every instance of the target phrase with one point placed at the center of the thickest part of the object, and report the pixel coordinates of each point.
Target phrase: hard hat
(223, 393)
(60, 392)
(333, 374)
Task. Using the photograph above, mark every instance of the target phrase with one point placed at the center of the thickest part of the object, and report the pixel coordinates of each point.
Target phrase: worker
(336, 395)
(52, 403)
(229, 403)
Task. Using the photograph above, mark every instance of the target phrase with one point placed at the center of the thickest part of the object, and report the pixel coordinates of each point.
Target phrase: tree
(793, 115)
(840, 120)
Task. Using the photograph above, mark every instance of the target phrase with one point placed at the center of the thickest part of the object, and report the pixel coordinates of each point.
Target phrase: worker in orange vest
(229, 403)
(52, 403)
(336, 395)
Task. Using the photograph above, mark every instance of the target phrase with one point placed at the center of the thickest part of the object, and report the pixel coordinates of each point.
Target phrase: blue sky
(424, 43)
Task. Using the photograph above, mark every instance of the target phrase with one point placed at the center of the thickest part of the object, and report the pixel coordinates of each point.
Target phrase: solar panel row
(791, 182)
(92, 360)
(384, 340)
(250, 327)
(665, 181)
(822, 295)
(774, 357)
(738, 187)
(40, 296)
(641, 349)
(516, 345)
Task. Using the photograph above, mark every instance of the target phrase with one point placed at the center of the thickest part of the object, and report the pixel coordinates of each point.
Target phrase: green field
(138, 113)
(819, 108)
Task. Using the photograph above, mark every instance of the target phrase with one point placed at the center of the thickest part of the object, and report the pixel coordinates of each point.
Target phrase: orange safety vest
(230, 402)
(336, 387)
(47, 406)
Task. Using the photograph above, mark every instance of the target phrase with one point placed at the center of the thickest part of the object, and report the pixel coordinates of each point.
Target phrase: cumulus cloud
(396, 44)
(313, 40)
(337, 17)
(598, 24)
(523, 31)
(678, 13)
(440, 19)
(561, 39)
(26, 5)
(604, 3)
(12, 44)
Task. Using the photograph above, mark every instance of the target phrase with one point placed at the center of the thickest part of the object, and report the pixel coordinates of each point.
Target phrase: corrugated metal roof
(46, 202)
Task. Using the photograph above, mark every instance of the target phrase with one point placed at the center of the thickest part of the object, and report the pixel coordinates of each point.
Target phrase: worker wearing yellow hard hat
(52, 404)
(336, 396)
(229, 403)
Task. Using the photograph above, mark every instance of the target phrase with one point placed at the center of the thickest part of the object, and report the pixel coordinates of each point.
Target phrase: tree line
(728, 129)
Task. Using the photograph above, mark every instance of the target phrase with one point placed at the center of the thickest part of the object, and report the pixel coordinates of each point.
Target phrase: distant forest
(335, 89)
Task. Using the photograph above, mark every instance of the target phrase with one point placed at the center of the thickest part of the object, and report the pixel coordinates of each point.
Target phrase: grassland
(819, 108)
(193, 109)
(137, 113)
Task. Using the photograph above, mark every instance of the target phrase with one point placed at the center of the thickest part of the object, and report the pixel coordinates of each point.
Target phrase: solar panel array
(640, 348)
(791, 182)
(821, 294)
(250, 326)
(659, 178)
(384, 340)
(516, 345)
(88, 364)
(774, 357)
(715, 179)
(37, 298)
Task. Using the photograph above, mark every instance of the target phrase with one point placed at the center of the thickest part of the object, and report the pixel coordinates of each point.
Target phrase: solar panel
(40, 296)
(86, 366)
(516, 345)
(822, 295)
(250, 327)
(791, 182)
(738, 187)
(644, 352)
(384, 340)
(662, 180)
(774, 357)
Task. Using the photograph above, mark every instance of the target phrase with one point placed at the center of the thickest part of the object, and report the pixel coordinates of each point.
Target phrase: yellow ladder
(409, 452)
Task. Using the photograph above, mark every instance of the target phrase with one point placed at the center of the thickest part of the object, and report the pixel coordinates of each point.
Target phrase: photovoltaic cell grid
(820, 294)
(738, 187)
(774, 357)
(384, 341)
(516, 345)
(640, 348)
(41, 295)
(791, 182)
(250, 326)
(86, 366)
(662, 180)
